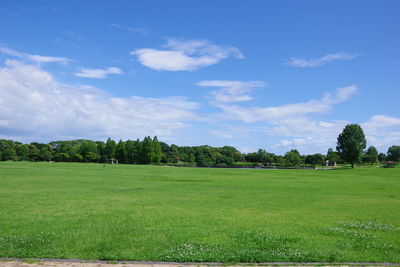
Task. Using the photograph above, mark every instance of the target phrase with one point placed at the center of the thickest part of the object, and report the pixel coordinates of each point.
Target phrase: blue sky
(275, 75)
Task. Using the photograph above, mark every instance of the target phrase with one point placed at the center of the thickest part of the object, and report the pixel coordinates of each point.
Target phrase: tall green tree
(9, 154)
(265, 157)
(145, 154)
(173, 154)
(156, 152)
(110, 148)
(86, 147)
(132, 151)
(90, 157)
(33, 152)
(371, 155)
(62, 157)
(7, 151)
(293, 158)
(314, 160)
(332, 156)
(76, 157)
(120, 152)
(45, 153)
(382, 157)
(351, 143)
(394, 153)
(101, 151)
(22, 152)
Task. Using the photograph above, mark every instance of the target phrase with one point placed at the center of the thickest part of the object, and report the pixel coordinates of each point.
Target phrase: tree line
(350, 149)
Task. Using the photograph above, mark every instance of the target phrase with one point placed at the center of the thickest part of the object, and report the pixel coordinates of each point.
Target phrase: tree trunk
(352, 165)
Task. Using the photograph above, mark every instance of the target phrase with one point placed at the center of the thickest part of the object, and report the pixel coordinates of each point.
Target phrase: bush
(76, 157)
(61, 157)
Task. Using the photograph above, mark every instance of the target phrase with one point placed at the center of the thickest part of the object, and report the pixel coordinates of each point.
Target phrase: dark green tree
(293, 158)
(76, 157)
(22, 152)
(61, 157)
(33, 152)
(145, 155)
(45, 153)
(393, 153)
(101, 152)
(165, 151)
(110, 148)
(132, 151)
(265, 157)
(315, 159)
(86, 147)
(9, 154)
(205, 156)
(66, 147)
(252, 157)
(120, 152)
(90, 157)
(332, 156)
(371, 155)
(156, 152)
(173, 154)
(351, 143)
(382, 157)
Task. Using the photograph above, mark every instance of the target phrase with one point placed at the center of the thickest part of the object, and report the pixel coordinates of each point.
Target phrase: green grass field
(126, 212)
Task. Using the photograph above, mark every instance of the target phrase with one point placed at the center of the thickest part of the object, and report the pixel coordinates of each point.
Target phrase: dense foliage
(152, 151)
(351, 143)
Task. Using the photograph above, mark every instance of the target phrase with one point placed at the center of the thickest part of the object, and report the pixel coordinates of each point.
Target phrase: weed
(352, 234)
(370, 226)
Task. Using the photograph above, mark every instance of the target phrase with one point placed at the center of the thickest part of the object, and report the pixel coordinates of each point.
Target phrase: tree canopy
(393, 153)
(350, 148)
(351, 143)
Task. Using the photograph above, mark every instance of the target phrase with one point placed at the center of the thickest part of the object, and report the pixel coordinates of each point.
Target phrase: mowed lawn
(127, 212)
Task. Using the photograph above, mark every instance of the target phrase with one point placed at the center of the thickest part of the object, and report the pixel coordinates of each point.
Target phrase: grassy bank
(87, 211)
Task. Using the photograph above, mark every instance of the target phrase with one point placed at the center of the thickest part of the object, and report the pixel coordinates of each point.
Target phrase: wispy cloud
(315, 62)
(221, 134)
(34, 105)
(34, 58)
(231, 91)
(292, 125)
(381, 121)
(142, 31)
(98, 73)
(381, 130)
(254, 114)
(295, 125)
(185, 55)
(309, 135)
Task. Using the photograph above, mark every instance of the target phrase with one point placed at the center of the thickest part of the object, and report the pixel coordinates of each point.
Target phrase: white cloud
(292, 123)
(381, 121)
(142, 31)
(34, 58)
(181, 55)
(221, 134)
(310, 63)
(382, 131)
(254, 114)
(231, 91)
(308, 135)
(34, 105)
(98, 73)
(305, 134)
